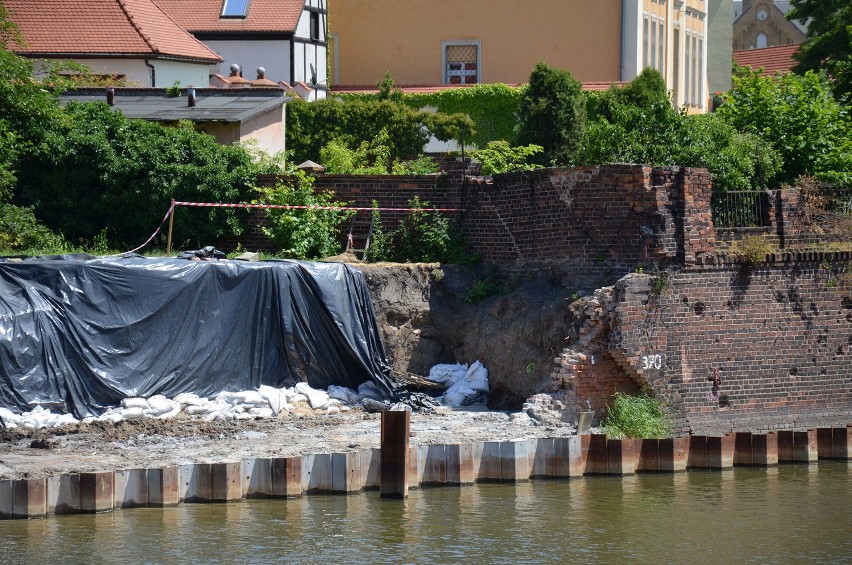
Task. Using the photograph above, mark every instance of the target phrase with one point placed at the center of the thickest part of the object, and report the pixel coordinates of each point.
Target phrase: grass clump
(751, 250)
(636, 417)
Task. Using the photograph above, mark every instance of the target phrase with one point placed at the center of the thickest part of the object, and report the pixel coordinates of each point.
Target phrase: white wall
(271, 54)
(167, 72)
(139, 74)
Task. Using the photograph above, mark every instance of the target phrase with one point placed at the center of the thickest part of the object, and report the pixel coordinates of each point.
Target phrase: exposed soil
(159, 443)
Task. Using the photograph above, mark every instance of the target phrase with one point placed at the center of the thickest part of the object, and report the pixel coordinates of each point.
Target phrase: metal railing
(742, 209)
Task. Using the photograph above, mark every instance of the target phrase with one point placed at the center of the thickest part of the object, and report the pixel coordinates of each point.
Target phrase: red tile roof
(200, 16)
(772, 59)
(110, 27)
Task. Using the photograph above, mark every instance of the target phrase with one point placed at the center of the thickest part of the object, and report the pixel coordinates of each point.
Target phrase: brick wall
(779, 339)
(585, 223)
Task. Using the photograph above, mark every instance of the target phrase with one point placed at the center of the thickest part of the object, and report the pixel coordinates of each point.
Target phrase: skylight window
(235, 8)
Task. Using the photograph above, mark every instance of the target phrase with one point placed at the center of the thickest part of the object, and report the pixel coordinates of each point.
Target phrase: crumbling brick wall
(728, 348)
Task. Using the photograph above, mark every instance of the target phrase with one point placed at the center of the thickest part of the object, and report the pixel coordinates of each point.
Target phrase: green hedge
(493, 108)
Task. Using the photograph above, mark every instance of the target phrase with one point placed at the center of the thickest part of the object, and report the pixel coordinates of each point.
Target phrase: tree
(796, 115)
(828, 46)
(552, 113)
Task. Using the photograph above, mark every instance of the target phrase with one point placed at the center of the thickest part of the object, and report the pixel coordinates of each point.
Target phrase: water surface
(786, 514)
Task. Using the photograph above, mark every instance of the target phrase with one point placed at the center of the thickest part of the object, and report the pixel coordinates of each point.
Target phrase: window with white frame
(461, 62)
(652, 55)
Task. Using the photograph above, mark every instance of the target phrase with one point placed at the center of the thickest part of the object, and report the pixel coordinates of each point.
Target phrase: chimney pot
(190, 96)
(111, 96)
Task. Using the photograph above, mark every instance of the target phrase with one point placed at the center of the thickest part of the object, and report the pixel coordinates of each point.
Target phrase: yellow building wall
(405, 37)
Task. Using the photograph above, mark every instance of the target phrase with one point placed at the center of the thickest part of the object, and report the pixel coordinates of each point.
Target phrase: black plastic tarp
(80, 334)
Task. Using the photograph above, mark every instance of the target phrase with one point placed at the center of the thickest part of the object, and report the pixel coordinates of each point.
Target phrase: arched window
(762, 40)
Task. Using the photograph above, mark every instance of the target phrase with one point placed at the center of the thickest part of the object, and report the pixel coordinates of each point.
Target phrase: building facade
(500, 41)
(763, 23)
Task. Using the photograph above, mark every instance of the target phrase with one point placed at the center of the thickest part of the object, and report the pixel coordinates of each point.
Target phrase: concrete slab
(195, 483)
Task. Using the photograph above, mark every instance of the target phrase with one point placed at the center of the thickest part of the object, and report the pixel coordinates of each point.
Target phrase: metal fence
(839, 201)
(742, 209)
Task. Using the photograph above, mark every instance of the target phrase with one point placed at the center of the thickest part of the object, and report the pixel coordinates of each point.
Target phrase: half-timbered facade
(288, 38)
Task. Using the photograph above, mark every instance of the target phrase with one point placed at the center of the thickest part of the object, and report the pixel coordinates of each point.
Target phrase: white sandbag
(159, 404)
(297, 398)
(264, 412)
(9, 417)
(274, 397)
(230, 398)
(457, 395)
(135, 402)
(477, 377)
(252, 397)
(195, 410)
(317, 398)
(113, 417)
(343, 394)
(370, 390)
(135, 413)
(176, 409)
(65, 419)
(190, 399)
(447, 373)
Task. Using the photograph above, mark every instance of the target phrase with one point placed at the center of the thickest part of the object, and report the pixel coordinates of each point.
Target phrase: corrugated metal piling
(397, 466)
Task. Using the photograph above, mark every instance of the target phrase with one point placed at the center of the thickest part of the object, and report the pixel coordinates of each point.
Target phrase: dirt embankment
(516, 333)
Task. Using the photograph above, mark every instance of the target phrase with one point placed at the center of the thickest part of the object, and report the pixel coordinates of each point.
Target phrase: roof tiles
(772, 59)
(199, 16)
(114, 27)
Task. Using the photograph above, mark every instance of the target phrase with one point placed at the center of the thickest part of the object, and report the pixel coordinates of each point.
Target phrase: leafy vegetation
(828, 47)
(371, 158)
(751, 250)
(303, 233)
(798, 117)
(552, 114)
(422, 236)
(500, 157)
(312, 126)
(636, 417)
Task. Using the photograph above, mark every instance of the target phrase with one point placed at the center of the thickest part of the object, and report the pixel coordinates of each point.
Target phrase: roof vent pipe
(190, 96)
(111, 96)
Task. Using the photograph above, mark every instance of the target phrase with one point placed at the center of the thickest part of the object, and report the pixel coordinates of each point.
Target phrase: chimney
(190, 96)
(111, 96)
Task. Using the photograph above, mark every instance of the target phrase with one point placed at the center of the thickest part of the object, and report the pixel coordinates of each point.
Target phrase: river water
(784, 514)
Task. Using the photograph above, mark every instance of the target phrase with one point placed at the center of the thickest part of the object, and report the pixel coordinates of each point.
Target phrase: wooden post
(394, 445)
(171, 225)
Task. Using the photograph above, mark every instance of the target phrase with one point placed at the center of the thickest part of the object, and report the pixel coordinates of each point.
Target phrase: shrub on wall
(552, 113)
(303, 233)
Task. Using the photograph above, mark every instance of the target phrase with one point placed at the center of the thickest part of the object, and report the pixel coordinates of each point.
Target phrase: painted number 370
(652, 362)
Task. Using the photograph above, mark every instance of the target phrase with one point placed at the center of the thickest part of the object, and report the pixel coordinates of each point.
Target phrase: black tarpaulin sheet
(81, 334)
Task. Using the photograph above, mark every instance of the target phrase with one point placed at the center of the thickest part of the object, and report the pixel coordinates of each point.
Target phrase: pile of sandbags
(465, 385)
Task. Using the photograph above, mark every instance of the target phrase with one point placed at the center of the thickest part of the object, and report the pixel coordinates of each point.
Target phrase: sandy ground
(182, 440)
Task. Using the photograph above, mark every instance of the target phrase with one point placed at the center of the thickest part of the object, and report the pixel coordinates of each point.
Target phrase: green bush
(351, 122)
(422, 236)
(500, 157)
(308, 233)
(371, 158)
(636, 417)
(20, 232)
(798, 117)
(100, 169)
(552, 114)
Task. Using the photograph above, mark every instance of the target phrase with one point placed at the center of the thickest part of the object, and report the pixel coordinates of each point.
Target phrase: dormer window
(235, 8)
